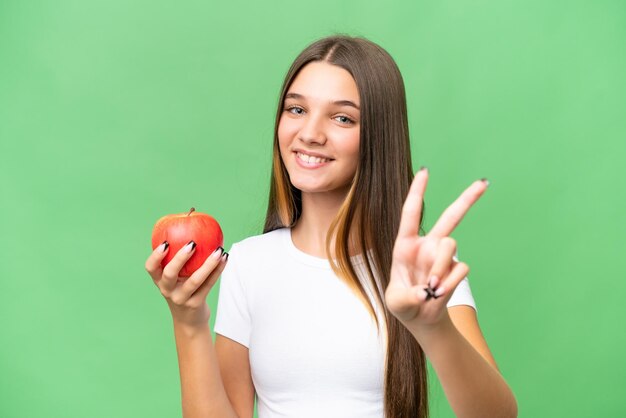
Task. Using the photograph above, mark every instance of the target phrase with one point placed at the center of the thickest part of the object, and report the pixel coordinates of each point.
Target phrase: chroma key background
(115, 113)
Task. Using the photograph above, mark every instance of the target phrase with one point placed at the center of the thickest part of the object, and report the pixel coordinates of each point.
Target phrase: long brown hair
(369, 217)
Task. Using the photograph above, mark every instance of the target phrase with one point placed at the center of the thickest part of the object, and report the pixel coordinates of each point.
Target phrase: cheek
(351, 144)
(286, 130)
(283, 136)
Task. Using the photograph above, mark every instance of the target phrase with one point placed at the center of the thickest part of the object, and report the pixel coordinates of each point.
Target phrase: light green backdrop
(114, 113)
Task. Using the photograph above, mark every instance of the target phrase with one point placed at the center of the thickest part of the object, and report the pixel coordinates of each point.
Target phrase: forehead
(323, 81)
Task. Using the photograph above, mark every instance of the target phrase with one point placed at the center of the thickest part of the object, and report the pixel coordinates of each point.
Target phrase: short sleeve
(462, 295)
(233, 317)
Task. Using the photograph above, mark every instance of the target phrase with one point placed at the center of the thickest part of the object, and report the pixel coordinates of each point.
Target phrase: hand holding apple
(179, 229)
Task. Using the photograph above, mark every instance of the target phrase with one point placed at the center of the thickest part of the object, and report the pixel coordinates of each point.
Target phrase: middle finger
(443, 262)
(453, 215)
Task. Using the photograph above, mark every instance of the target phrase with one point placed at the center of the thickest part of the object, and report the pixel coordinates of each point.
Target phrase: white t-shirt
(314, 348)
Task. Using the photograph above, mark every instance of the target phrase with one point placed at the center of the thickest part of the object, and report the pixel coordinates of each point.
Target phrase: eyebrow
(337, 102)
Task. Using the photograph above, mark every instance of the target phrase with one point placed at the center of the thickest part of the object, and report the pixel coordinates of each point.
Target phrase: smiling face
(318, 131)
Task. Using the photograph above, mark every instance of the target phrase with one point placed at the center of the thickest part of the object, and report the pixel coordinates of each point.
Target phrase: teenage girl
(334, 309)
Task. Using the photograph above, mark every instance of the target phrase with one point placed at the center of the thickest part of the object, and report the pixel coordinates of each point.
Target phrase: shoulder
(258, 246)
(255, 257)
(261, 240)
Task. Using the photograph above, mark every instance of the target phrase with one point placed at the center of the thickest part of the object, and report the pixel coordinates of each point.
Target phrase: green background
(114, 113)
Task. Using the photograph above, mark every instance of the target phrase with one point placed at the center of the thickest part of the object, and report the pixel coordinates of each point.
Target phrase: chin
(309, 188)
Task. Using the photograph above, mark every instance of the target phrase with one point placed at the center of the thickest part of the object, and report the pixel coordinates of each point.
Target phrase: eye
(296, 110)
(345, 120)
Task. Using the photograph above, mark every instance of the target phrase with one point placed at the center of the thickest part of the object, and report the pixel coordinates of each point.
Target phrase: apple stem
(192, 209)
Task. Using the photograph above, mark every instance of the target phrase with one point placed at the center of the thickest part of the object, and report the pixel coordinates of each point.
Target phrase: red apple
(181, 228)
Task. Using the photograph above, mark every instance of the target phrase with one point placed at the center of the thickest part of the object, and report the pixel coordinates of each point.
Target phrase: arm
(423, 276)
(202, 389)
(204, 394)
(464, 319)
(234, 361)
(466, 370)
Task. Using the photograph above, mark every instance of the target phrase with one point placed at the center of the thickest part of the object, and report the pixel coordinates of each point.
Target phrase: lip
(311, 153)
(304, 164)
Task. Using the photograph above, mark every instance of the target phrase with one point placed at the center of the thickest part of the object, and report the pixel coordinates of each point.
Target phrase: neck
(311, 230)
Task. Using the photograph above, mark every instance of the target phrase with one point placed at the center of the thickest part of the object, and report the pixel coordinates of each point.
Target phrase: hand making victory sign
(424, 273)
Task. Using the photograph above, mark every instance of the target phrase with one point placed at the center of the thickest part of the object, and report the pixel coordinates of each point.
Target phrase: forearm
(473, 387)
(202, 389)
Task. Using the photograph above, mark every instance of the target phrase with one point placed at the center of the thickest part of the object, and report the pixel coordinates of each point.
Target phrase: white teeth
(310, 159)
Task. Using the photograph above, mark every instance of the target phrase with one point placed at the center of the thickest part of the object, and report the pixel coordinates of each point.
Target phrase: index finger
(153, 263)
(412, 208)
(453, 215)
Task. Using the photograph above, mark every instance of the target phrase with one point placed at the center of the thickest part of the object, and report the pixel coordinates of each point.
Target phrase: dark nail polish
(221, 250)
(423, 168)
(484, 180)
(226, 256)
(430, 293)
(167, 244)
(193, 244)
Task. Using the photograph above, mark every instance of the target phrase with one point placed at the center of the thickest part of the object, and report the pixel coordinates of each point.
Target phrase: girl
(333, 310)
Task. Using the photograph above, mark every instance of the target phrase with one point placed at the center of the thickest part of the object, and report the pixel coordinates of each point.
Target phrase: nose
(312, 131)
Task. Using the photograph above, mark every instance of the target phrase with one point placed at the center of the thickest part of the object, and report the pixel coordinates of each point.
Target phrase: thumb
(404, 302)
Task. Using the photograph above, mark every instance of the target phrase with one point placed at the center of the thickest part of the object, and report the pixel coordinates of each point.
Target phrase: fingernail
(440, 291)
(225, 256)
(218, 252)
(190, 246)
(423, 168)
(164, 246)
(433, 282)
(484, 180)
